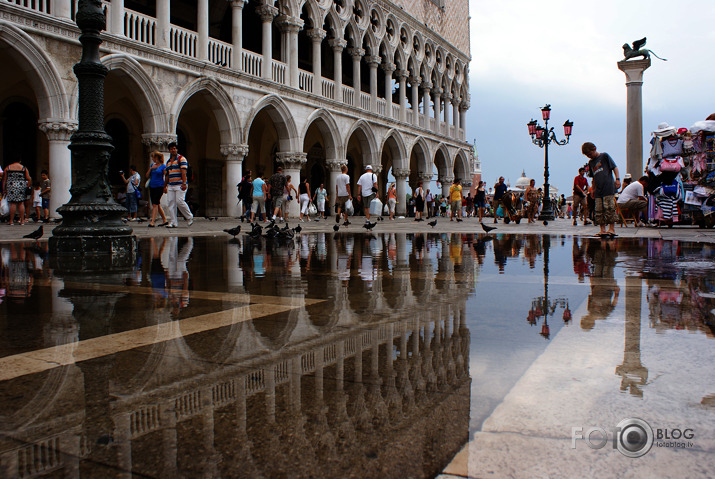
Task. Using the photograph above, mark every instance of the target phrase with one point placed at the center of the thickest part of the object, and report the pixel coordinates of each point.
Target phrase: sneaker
(191, 221)
(171, 226)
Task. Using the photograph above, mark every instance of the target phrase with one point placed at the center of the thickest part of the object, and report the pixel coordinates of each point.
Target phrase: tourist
(156, 187)
(429, 203)
(175, 186)
(580, 200)
(391, 200)
(319, 198)
(277, 183)
(304, 192)
(245, 194)
(481, 199)
(419, 201)
(291, 195)
(469, 204)
(455, 198)
(602, 169)
(45, 192)
(367, 190)
(132, 186)
(16, 181)
(260, 189)
(499, 192)
(633, 199)
(342, 194)
(532, 198)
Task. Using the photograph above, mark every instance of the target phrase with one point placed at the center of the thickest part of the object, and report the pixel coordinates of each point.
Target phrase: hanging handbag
(670, 164)
(312, 209)
(138, 193)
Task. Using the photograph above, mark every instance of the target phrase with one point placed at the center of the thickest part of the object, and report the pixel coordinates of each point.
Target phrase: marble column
(426, 89)
(234, 171)
(446, 182)
(338, 45)
(401, 175)
(117, 9)
(316, 36)
(372, 62)
(463, 107)
(334, 167)
(455, 111)
(402, 78)
(292, 163)
(426, 178)
(163, 23)
(357, 54)
(634, 114)
(58, 135)
(447, 102)
(415, 83)
(388, 67)
(290, 27)
(237, 34)
(267, 13)
(437, 92)
(202, 24)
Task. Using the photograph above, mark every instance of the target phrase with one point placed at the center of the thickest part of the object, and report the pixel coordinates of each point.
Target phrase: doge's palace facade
(240, 85)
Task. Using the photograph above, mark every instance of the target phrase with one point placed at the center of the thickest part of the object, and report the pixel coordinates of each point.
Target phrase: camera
(121, 172)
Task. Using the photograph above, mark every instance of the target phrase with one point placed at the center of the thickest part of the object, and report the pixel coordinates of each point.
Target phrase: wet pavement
(403, 353)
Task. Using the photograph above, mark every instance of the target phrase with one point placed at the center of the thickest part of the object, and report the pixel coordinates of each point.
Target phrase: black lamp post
(92, 236)
(541, 137)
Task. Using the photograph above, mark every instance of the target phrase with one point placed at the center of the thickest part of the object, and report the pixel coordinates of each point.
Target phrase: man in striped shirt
(175, 186)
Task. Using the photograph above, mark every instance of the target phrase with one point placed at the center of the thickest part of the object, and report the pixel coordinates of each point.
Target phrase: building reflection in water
(374, 381)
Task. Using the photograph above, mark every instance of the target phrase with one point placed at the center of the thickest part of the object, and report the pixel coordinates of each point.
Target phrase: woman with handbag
(16, 185)
(303, 189)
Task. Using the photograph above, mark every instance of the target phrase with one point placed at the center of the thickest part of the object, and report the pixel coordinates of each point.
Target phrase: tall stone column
(292, 163)
(372, 62)
(446, 101)
(202, 24)
(357, 54)
(402, 78)
(446, 182)
(316, 36)
(426, 178)
(163, 23)
(237, 34)
(463, 107)
(267, 13)
(290, 27)
(415, 82)
(338, 45)
(117, 26)
(58, 134)
(455, 111)
(437, 92)
(334, 166)
(634, 114)
(426, 89)
(388, 67)
(401, 175)
(234, 171)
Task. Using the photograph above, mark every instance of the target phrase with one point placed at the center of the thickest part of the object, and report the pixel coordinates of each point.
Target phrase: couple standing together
(170, 180)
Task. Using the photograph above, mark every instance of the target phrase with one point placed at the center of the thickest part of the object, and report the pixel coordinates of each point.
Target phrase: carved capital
(389, 67)
(58, 130)
(464, 106)
(402, 74)
(234, 152)
(290, 24)
(357, 53)
(377, 169)
(157, 141)
(426, 86)
(292, 160)
(634, 69)
(238, 3)
(266, 12)
(373, 60)
(437, 91)
(456, 101)
(425, 177)
(338, 44)
(400, 173)
(415, 81)
(335, 165)
(316, 34)
(446, 180)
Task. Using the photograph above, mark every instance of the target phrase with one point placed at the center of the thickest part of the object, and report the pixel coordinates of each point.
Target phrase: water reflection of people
(156, 272)
(177, 276)
(604, 288)
(580, 260)
(17, 267)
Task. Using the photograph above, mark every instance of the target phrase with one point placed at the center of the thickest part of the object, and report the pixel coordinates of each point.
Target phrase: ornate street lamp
(541, 137)
(92, 235)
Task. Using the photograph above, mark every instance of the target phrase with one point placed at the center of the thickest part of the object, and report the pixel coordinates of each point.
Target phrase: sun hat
(664, 129)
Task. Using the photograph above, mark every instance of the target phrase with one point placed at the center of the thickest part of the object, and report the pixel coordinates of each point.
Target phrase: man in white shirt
(632, 198)
(342, 193)
(367, 190)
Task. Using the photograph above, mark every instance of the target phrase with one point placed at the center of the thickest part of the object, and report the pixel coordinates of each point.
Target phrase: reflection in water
(372, 380)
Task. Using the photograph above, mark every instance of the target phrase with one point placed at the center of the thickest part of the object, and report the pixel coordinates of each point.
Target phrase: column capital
(425, 177)
(316, 34)
(415, 80)
(402, 75)
(400, 173)
(290, 24)
(437, 91)
(464, 106)
(427, 85)
(446, 179)
(234, 152)
(467, 183)
(634, 69)
(456, 101)
(338, 44)
(292, 159)
(58, 129)
(373, 60)
(238, 3)
(357, 53)
(158, 141)
(377, 169)
(266, 12)
(335, 165)
(389, 67)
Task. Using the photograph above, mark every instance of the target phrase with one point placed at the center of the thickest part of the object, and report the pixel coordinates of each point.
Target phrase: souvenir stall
(681, 175)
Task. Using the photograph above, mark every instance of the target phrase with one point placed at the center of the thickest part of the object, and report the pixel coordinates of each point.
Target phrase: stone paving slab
(205, 227)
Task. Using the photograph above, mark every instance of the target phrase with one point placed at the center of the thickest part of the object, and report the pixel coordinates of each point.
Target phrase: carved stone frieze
(58, 130)
(292, 160)
(234, 152)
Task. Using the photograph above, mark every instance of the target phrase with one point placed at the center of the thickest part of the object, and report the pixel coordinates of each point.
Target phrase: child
(45, 194)
(37, 201)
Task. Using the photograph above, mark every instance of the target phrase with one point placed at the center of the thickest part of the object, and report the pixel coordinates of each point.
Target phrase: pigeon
(211, 218)
(297, 229)
(369, 226)
(336, 227)
(234, 231)
(432, 223)
(347, 223)
(37, 234)
(488, 228)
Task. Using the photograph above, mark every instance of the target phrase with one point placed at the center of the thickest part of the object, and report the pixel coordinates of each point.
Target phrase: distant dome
(523, 181)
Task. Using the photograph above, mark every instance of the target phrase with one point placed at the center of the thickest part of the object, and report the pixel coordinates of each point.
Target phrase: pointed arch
(330, 131)
(420, 145)
(366, 130)
(461, 166)
(52, 101)
(282, 118)
(401, 152)
(221, 104)
(149, 99)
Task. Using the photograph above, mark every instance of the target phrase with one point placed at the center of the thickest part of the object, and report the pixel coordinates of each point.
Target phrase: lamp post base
(547, 212)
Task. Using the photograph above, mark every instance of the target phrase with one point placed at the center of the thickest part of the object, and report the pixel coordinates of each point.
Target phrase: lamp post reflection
(543, 306)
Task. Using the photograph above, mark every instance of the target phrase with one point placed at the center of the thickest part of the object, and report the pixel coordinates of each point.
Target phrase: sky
(526, 54)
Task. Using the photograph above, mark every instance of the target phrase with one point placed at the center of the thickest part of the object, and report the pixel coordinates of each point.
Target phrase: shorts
(36, 203)
(45, 203)
(366, 200)
(341, 202)
(155, 194)
(278, 201)
(480, 204)
(456, 207)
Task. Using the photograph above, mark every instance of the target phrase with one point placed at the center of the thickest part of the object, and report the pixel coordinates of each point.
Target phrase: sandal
(164, 223)
(150, 225)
